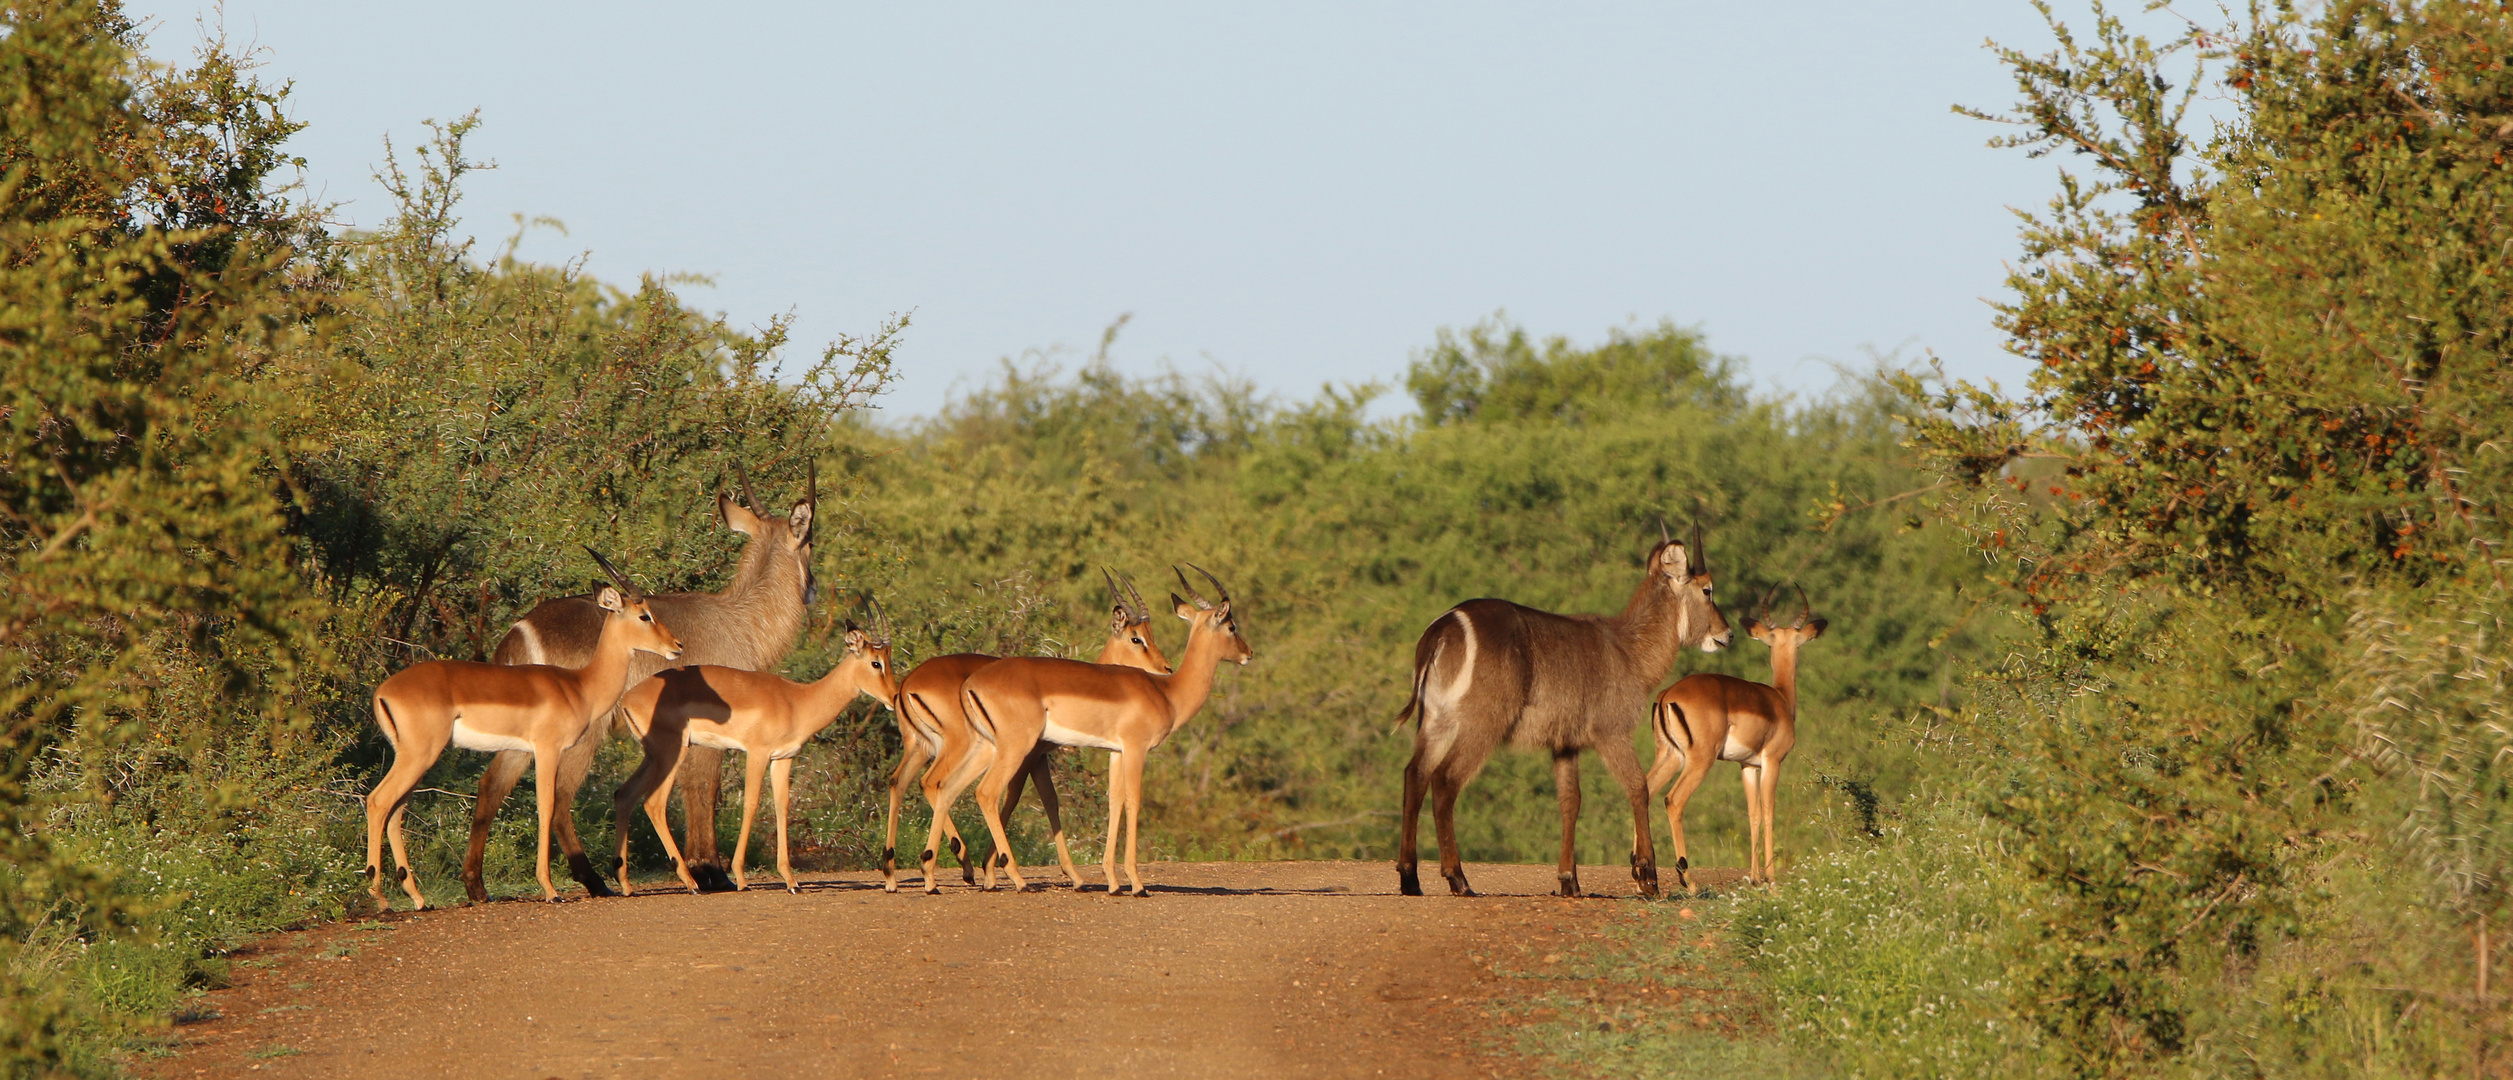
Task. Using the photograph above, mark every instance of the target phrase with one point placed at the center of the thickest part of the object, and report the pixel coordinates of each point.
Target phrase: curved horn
(749, 501)
(1663, 538)
(1700, 559)
(1118, 592)
(1217, 582)
(1198, 597)
(1805, 611)
(881, 618)
(1762, 610)
(618, 579)
(1142, 611)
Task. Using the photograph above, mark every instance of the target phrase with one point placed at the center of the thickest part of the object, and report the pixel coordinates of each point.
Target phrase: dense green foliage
(1345, 538)
(2160, 727)
(2245, 784)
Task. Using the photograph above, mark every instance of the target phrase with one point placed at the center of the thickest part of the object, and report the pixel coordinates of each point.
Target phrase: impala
(934, 729)
(750, 625)
(1020, 703)
(1490, 671)
(1710, 717)
(765, 717)
(534, 709)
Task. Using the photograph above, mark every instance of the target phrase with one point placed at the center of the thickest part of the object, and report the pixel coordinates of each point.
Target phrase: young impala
(1707, 718)
(1020, 703)
(765, 717)
(493, 707)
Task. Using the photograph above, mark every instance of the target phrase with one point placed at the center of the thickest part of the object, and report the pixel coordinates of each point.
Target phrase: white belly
(1739, 752)
(471, 738)
(1064, 736)
(713, 740)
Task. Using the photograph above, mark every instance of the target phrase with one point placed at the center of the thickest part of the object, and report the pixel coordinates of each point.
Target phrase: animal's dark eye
(876, 665)
(1138, 641)
(643, 617)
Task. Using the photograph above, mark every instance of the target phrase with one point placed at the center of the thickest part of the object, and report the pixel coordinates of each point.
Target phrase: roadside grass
(1666, 991)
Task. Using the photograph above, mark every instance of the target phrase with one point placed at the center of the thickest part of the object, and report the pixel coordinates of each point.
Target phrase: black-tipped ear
(1186, 610)
(1814, 630)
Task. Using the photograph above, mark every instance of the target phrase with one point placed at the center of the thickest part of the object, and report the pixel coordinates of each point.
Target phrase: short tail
(384, 721)
(981, 721)
(1413, 705)
(1669, 711)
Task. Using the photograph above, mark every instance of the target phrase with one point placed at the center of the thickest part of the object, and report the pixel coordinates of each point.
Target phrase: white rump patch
(1440, 701)
(471, 738)
(532, 644)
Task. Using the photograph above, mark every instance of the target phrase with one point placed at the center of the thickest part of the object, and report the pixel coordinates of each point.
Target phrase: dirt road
(1226, 970)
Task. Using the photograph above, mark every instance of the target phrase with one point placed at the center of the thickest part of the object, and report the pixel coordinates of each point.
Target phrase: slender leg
(653, 775)
(701, 778)
(914, 753)
(574, 764)
(1014, 738)
(1753, 823)
(990, 802)
(753, 764)
(655, 800)
(1041, 769)
(401, 855)
(1624, 766)
(1566, 792)
(1697, 764)
(1116, 818)
(505, 770)
(1766, 790)
(1444, 819)
(944, 781)
(545, 795)
(1133, 765)
(411, 761)
(779, 772)
(1408, 878)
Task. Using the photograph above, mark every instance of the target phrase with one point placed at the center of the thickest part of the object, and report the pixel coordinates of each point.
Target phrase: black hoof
(1408, 882)
(713, 878)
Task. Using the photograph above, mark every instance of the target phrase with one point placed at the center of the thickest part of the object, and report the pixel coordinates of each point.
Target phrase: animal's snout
(1718, 641)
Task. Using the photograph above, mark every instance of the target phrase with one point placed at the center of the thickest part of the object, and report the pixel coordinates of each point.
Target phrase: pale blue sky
(1298, 192)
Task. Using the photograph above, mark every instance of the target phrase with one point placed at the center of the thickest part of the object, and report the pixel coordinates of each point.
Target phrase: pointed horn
(1198, 597)
(1762, 611)
(1700, 559)
(1805, 611)
(1663, 538)
(749, 501)
(1142, 611)
(881, 619)
(1118, 592)
(618, 579)
(1217, 582)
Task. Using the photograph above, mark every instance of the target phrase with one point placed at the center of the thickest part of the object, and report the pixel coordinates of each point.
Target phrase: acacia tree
(144, 274)
(2270, 373)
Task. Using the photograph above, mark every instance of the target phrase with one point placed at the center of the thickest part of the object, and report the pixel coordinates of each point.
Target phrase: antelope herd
(688, 676)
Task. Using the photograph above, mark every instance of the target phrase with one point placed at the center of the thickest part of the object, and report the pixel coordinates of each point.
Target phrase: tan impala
(1020, 703)
(765, 717)
(1707, 718)
(498, 708)
(934, 728)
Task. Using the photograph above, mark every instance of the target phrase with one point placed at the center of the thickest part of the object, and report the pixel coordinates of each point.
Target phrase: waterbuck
(1490, 671)
(750, 625)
